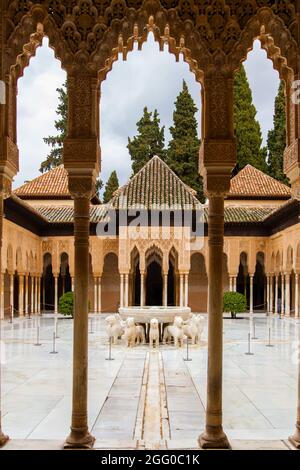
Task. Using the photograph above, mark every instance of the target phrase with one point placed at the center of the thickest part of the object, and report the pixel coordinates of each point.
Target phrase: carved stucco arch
(209, 34)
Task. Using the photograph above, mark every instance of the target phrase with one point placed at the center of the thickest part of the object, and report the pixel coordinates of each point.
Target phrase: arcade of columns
(87, 36)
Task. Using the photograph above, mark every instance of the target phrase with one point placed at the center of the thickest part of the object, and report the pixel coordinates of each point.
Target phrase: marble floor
(259, 390)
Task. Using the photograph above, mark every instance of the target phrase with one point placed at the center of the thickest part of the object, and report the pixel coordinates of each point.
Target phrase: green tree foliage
(277, 138)
(66, 304)
(183, 149)
(56, 142)
(247, 128)
(234, 303)
(111, 186)
(148, 142)
(55, 157)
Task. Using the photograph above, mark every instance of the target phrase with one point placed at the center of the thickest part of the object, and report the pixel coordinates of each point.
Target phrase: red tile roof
(54, 184)
(253, 183)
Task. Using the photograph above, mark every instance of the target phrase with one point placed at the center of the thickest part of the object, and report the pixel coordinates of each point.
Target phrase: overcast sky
(148, 78)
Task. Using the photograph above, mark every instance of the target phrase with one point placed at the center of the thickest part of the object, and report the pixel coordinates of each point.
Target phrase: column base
(79, 439)
(214, 438)
(295, 439)
(3, 439)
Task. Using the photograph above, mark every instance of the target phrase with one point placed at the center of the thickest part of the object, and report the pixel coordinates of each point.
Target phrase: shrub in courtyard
(66, 304)
(234, 303)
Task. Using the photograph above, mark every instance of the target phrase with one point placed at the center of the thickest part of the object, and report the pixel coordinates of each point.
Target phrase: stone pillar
(72, 283)
(95, 294)
(2, 287)
(230, 283)
(287, 295)
(126, 290)
(39, 280)
(235, 284)
(26, 286)
(297, 295)
(99, 295)
(142, 300)
(32, 295)
(11, 294)
(121, 290)
(271, 293)
(186, 293)
(251, 293)
(268, 293)
(165, 290)
(282, 295)
(276, 294)
(217, 159)
(181, 290)
(21, 295)
(56, 293)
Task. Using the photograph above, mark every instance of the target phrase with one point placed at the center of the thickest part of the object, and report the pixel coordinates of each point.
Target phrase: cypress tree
(247, 128)
(111, 186)
(55, 157)
(277, 138)
(183, 149)
(148, 142)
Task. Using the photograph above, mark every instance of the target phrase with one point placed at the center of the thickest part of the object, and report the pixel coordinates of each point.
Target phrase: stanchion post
(37, 335)
(254, 332)
(91, 326)
(54, 343)
(249, 353)
(109, 358)
(270, 345)
(187, 358)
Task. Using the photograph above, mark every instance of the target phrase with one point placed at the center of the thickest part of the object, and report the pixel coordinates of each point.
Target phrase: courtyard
(260, 390)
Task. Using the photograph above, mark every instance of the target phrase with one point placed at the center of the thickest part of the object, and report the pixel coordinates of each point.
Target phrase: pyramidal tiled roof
(251, 182)
(54, 183)
(154, 186)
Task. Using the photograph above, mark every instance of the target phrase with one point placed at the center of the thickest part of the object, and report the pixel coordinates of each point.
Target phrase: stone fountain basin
(163, 314)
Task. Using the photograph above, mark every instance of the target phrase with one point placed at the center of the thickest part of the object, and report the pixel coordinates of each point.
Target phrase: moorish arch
(87, 36)
(198, 283)
(135, 278)
(154, 276)
(110, 290)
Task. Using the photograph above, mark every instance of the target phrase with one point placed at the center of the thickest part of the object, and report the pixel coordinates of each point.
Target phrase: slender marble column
(268, 294)
(297, 295)
(214, 436)
(235, 284)
(32, 295)
(230, 283)
(271, 293)
(181, 290)
(56, 293)
(21, 295)
(126, 290)
(11, 294)
(26, 294)
(186, 293)
(39, 280)
(80, 436)
(251, 293)
(95, 294)
(122, 290)
(165, 289)
(142, 300)
(287, 295)
(276, 295)
(99, 295)
(2, 286)
(282, 295)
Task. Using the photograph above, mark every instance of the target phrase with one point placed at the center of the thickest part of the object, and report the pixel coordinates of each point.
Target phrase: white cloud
(148, 78)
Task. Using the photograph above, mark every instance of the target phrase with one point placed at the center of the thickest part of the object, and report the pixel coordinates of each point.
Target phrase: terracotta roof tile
(54, 183)
(154, 186)
(251, 182)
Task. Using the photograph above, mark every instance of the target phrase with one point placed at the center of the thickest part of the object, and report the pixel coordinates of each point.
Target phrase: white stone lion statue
(113, 328)
(140, 335)
(174, 331)
(154, 333)
(130, 332)
(193, 328)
